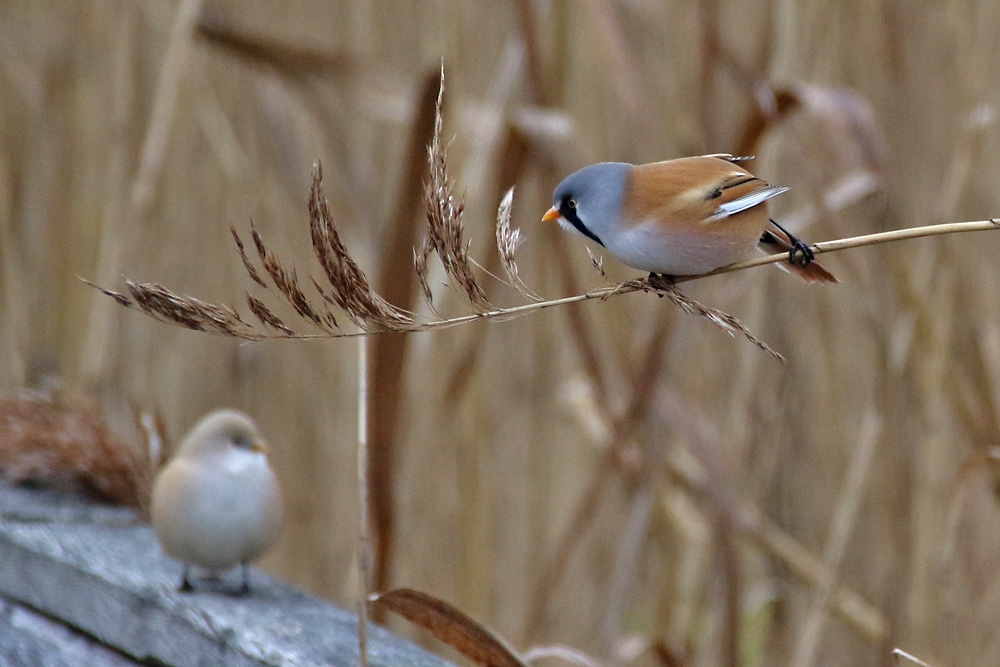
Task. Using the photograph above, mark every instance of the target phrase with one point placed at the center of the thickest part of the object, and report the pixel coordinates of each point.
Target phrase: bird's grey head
(220, 431)
(590, 200)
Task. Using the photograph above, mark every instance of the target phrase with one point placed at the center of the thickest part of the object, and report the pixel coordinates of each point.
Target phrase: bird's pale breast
(217, 514)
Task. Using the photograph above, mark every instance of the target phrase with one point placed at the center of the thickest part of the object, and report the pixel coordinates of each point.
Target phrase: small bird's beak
(260, 447)
(552, 214)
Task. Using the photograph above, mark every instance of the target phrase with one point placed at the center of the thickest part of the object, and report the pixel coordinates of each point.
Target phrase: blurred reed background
(615, 477)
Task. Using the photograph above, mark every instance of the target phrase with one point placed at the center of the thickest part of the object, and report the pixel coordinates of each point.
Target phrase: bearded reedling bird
(217, 503)
(679, 217)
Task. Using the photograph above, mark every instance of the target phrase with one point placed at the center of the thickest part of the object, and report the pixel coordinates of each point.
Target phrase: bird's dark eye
(242, 442)
(571, 203)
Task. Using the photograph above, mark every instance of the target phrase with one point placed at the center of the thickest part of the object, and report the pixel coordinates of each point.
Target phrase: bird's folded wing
(743, 202)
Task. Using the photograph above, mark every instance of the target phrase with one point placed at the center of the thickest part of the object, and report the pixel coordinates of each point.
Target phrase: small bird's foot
(660, 281)
(800, 252)
(244, 588)
(185, 586)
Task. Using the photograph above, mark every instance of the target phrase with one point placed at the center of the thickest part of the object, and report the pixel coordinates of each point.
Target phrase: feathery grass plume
(250, 268)
(350, 289)
(188, 312)
(597, 262)
(59, 438)
(287, 282)
(445, 232)
(721, 319)
(266, 317)
(508, 241)
(420, 257)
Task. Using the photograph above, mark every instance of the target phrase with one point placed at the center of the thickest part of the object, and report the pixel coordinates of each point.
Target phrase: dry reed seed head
(117, 296)
(286, 281)
(250, 269)
(598, 263)
(327, 315)
(188, 312)
(445, 232)
(266, 317)
(720, 319)
(420, 258)
(508, 241)
(349, 287)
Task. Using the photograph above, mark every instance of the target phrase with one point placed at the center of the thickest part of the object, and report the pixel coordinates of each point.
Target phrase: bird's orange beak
(552, 214)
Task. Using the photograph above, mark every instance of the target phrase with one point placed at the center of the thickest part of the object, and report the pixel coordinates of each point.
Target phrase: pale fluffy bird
(217, 503)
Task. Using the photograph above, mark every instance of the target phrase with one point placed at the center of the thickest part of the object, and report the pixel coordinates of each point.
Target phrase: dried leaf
(450, 625)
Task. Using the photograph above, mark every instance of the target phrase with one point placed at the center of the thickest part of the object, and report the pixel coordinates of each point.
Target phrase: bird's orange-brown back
(685, 190)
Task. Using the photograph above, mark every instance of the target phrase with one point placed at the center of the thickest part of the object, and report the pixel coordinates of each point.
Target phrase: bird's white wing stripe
(745, 202)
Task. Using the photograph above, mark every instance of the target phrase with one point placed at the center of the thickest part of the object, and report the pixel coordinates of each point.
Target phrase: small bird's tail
(776, 239)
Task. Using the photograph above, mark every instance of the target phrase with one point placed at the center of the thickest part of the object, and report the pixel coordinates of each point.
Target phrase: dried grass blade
(508, 241)
(445, 232)
(350, 289)
(721, 319)
(450, 625)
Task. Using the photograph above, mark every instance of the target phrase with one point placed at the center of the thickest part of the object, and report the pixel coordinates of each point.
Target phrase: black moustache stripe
(582, 228)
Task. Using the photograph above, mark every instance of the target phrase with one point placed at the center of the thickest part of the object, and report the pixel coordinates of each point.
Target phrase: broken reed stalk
(364, 543)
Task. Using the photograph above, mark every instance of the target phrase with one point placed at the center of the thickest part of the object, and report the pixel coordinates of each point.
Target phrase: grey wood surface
(86, 584)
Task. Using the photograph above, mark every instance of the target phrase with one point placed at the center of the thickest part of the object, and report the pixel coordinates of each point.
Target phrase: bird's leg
(245, 586)
(800, 249)
(185, 586)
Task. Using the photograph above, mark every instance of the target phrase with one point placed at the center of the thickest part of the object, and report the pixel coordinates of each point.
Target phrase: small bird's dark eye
(571, 203)
(242, 442)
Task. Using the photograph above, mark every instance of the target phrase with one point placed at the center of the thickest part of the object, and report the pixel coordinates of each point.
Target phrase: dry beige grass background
(616, 477)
